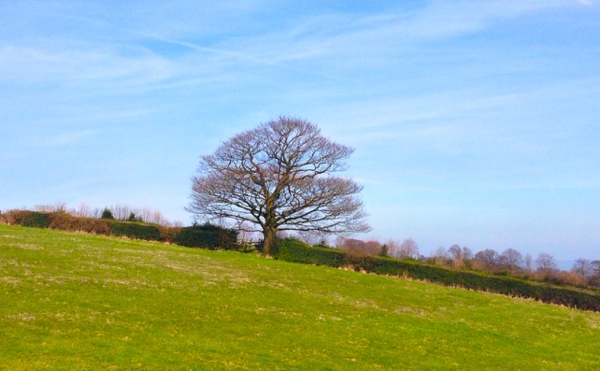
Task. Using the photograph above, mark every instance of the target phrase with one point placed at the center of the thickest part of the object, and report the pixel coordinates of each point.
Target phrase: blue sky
(474, 122)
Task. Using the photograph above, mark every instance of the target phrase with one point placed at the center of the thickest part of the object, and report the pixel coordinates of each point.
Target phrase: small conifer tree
(107, 214)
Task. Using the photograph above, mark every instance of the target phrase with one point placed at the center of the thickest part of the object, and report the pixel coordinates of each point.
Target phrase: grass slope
(73, 301)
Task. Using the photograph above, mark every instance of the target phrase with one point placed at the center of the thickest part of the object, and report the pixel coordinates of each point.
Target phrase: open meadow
(76, 301)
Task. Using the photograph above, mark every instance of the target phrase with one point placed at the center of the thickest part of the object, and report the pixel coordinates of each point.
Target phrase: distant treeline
(585, 273)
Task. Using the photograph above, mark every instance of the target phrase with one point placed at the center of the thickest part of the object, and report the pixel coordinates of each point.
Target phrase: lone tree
(278, 177)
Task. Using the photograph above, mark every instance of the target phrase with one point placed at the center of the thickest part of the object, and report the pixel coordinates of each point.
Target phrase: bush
(28, 218)
(107, 214)
(294, 250)
(207, 236)
(57, 220)
(14, 217)
(67, 222)
(36, 219)
(135, 230)
(167, 234)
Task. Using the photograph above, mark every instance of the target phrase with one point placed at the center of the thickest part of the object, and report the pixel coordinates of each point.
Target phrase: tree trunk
(268, 240)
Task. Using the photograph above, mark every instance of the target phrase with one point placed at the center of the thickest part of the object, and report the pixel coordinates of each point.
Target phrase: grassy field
(74, 301)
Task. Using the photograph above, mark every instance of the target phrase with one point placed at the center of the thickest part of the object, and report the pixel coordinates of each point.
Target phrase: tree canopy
(279, 177)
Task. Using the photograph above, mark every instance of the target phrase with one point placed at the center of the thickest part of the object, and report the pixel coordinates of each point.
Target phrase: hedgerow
(67, 222)
(207, 236)
(28, 218)
(135, 230)
(293, 250)
(204, 236)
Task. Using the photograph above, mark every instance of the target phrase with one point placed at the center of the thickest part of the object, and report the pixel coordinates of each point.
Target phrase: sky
(474, 122)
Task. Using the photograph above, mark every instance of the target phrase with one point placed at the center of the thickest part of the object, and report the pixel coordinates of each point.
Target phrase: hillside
(75, 301)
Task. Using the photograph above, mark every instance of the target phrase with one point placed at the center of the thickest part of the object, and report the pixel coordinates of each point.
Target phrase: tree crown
(280, 176)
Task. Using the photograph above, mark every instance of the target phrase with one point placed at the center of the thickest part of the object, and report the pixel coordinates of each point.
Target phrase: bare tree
(279, 177)
(511, 259)
(408, 249)
(457, 256)
(440, 256)
(528, 263)
(392, 247)
(467, 253)
(488, 258)
(150, 216)
(584, 269)
(545, 265)
(59, 207)
(596, 267)
(120, 212)
(312, 238)
(359, 247)
(87, 211)
(595, 278)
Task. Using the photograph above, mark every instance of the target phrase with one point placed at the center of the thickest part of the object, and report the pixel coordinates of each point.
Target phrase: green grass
(75, 301)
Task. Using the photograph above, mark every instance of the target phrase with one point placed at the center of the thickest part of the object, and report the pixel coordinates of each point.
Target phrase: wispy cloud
(59, 140)
(396, 29)
(82, 65)
(334, 43)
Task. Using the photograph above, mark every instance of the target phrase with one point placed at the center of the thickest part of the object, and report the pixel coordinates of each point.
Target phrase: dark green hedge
(28, 218)
(58, 220)
(136, 230)
(295, 251)
(38, 220)
(207, 236)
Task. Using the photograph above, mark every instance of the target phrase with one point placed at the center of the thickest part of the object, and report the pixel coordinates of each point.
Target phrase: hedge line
(28, 218)
(295, 251)
(210, 236)
(135, 230)
(206, 236)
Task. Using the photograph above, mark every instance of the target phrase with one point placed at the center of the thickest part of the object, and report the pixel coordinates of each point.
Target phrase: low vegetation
(206, 236)
(78, 301)
(584, 274)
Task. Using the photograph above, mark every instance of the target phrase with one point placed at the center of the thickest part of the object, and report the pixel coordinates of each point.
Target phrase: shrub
(135, 230)
(107, 214)
(36, 219)
(167, 234)
(28, 218)
(67, 222)
(207, 236)
(15, 217)
(294, 250)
